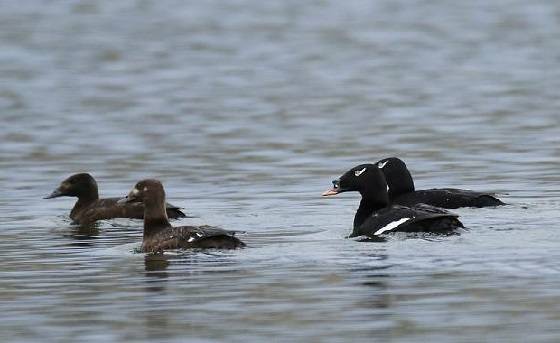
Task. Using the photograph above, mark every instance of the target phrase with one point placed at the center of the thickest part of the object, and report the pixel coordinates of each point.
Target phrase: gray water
(246, 110)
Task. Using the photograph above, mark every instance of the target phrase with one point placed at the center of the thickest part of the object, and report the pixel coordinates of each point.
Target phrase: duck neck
(88, 192)
(399, 184)
(155, 216)
(83, 202)
(367, 207)
(86, 195)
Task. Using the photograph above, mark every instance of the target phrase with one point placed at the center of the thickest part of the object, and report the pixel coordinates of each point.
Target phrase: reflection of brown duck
(156, 263)
(90, 208)
(159, 235)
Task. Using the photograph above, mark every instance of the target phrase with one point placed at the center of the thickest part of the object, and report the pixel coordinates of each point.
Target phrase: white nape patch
(145, 189)
(359, 172)
(135, 191)
(190, 239)
(391, 225)
(380, 165)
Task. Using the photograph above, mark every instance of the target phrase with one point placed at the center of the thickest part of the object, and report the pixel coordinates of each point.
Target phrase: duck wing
(417, 218)
(184, 237)
(107, 209)
(449, 198)
(174, 212)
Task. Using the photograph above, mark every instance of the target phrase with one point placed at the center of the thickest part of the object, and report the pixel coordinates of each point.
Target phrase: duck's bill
(55, 194)
(130, 198)
(330, 192)
(124, 200)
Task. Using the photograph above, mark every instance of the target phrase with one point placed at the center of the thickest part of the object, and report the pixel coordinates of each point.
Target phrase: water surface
(246, 110)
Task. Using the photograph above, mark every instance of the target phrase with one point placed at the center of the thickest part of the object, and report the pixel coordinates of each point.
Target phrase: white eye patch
(359, 172)
(380, 165)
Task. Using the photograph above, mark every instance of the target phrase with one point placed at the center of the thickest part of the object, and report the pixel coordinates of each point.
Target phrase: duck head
(367, 179)
(80, 185)
(397, 176)
(149, 190)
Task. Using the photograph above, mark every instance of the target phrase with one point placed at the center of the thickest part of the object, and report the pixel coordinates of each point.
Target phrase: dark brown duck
(90, 208)
(159, 235)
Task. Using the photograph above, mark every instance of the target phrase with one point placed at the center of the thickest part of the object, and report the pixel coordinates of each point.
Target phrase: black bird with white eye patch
(376, 216)
(402, 191)
(90, 208)
(159, 235)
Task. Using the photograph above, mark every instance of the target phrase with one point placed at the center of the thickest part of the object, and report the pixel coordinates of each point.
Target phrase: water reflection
(84, 236)
(155, 266)
(158, 324)
(155, 263)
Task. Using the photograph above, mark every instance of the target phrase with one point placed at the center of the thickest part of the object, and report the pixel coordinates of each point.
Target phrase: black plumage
(402, 191)
(376, 216)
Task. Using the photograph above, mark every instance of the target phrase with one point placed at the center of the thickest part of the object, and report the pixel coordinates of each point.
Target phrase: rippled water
(246, 110)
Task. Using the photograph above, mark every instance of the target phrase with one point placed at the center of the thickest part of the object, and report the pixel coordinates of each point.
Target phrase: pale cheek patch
(391, 226)
(359, 172)
(135, 191)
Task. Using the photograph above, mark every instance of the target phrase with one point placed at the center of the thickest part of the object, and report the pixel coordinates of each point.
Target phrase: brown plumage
(159, 235)
(90, 208)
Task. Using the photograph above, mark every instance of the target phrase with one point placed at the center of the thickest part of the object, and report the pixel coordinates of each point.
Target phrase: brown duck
(90, 208)
(159, 235)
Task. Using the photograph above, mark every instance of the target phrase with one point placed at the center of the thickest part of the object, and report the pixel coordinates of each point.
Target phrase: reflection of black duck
(159, 235)
(90, 208)
(402, 192)
(376, 216)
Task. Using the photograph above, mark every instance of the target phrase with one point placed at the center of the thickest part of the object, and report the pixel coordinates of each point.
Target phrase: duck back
(185, 237)
(449, 198)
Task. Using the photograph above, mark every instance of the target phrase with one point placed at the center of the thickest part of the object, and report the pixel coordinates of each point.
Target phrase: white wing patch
(380, 165)
(359, 172)
(190, 239)
(391, 225)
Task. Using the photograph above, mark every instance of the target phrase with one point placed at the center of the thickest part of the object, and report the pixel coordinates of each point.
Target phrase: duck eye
(336, 184)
